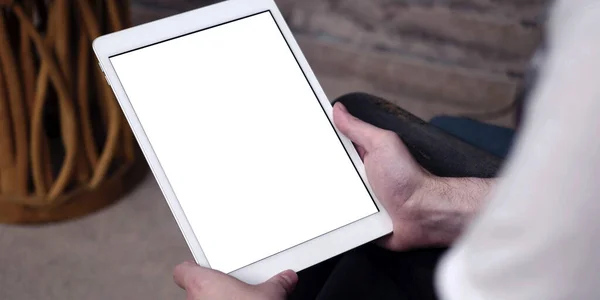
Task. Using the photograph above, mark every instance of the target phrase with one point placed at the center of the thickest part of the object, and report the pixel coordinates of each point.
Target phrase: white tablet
(239, 135)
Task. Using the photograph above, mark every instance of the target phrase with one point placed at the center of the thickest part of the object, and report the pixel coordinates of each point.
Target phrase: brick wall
(464, 52)
(464, 56)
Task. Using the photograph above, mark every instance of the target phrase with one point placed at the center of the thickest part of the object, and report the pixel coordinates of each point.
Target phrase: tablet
(240, 137)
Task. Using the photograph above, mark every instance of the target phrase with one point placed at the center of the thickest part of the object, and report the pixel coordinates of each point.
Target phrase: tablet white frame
(298, 257)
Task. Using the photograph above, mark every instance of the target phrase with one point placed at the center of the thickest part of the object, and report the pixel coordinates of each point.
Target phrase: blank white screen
(251, 156)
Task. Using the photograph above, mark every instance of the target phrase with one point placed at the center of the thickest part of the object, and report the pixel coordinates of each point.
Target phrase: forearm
(445, 206)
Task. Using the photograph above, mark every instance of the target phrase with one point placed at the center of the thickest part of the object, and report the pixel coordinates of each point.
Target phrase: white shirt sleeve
(539, 236)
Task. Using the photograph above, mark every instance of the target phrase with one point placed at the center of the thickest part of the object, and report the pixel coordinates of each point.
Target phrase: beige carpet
(124, 252)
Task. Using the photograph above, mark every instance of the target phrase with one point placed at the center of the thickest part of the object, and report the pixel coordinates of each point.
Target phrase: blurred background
(430, 57)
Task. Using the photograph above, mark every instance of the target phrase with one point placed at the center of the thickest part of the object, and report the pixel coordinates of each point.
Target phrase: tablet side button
(105, 78)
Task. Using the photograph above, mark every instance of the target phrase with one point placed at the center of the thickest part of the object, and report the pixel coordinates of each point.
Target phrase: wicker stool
(65, 148)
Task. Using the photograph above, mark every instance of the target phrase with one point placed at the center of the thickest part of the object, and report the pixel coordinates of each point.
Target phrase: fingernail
(342, 107)
(289, 277)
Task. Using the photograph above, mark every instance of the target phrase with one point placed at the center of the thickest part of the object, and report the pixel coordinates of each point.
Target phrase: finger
(385, 242)
(361, 133)
(185, 273)
(280, 285)
(361, 151)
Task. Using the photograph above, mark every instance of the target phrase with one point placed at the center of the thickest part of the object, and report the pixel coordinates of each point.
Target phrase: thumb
(360, 133)
(280, 285)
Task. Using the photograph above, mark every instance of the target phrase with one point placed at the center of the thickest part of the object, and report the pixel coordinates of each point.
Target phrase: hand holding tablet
(239, 136)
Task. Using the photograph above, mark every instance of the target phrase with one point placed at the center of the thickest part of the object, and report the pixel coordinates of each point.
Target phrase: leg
(492, 139)
(437, 151)
(371, 272)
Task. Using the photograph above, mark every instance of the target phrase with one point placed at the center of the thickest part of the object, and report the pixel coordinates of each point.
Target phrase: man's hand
(426, 210)
(205, 284)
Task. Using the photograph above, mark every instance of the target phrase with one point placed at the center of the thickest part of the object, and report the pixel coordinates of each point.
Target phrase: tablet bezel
(296, 258)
